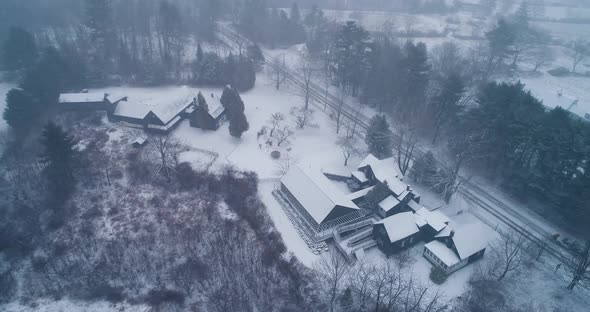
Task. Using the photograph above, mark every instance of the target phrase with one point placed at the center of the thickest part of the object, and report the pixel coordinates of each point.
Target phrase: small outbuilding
(209, 115)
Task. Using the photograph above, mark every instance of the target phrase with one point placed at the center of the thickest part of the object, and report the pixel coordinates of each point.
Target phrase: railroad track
(470, 190)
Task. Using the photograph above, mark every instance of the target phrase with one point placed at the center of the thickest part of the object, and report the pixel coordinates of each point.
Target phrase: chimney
(449, 240)
(408, 188)
(212, 95)
(452, 234)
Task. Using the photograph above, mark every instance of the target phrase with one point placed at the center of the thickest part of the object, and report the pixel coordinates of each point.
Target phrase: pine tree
(379, 192)
(424, 169)
(238, 125)
(295, 15)
(201, 102)
(60, 155)
(379, 137)
(254, 53)
(445, 105)
(19, 50)
(232, 102)
(346, 300)
(20, 111)
(244, 75)
(199, 53)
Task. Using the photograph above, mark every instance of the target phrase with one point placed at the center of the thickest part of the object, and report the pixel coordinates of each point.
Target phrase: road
(475, 194)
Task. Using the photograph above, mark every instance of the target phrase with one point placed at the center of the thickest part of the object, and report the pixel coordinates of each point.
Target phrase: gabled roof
(318, 195)
(385, 170)
(442, 252)
(389, 203)
(469, 239)
(414, 205)
(358, 194)
(165, 109)
(81, 98)
(436, 219)
(400, 226)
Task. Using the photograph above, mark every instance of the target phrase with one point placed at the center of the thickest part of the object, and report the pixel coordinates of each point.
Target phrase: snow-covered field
(66, 305)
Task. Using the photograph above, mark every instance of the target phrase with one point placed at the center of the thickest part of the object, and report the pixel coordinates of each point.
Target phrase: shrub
(559, 72)
(158, 296)
(437, 275)
(275, 154)
(108, 293)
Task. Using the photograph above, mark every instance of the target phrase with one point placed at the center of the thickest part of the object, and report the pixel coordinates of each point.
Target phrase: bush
(158, 296)
(437, 275)
(108, 293)
(275, 154)
(559, 72)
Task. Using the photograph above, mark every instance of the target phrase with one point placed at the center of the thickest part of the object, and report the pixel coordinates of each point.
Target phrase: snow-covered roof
(81, 98)
(436, 219)
(339, 171)
(140, 140)
(359, 175)
(358, 194)
(115, 98)
(166, 109)
(389, 203)
(400, 226)
(168, 126)
(414, 205)
(469, 239)
(385, 170)
(318, 195)
(442, 252)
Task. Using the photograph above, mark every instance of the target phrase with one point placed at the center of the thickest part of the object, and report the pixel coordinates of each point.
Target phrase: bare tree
(405, 149)
(166, 149)
(283, 134)
(337, 115)
(349, 148)
(334, 272)
(275, 122)
(277, 70)
(581, 51)
(579, 267)
(540, 57)
(285, 164)
(510, 250)
(306, 71)
(302, 116)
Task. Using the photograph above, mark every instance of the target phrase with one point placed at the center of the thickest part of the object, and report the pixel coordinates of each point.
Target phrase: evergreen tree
(376, 195)
(350, 56)
(379, 137)
(232, 102)
(61, 156)
(346, 300)
(201, 102)
(20, 111)
(415, 70)
(199, 53)
(19, 50)
(445, 105)
(295, 15)
(424, 169)
(254, 54)
(49, 77)
(244, 75)
(238, 125)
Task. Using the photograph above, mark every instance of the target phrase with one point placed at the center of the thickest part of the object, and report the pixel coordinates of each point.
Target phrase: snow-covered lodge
(319, 201)
(88, 101)
(398, 222)
(158, 114)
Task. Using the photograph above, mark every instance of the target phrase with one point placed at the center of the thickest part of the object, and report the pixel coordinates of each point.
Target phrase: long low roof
(318, 195)
(166, 109)
(81, 97)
